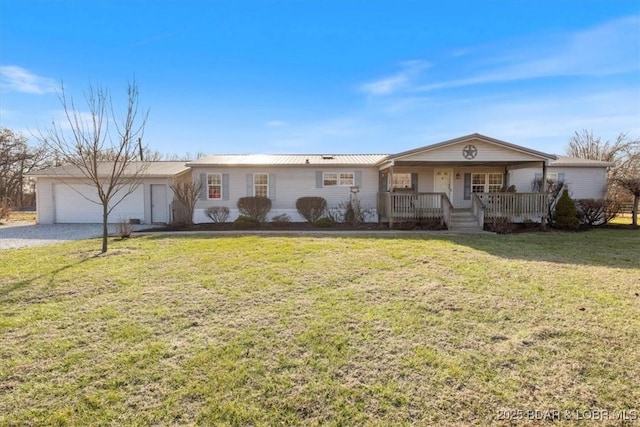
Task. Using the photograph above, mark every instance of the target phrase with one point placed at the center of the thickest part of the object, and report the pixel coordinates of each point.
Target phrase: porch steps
(464, 220)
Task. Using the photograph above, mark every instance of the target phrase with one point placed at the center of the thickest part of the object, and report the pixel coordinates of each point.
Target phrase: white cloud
(18, 79)
(389, 85)
(609, 48)
(276, 123)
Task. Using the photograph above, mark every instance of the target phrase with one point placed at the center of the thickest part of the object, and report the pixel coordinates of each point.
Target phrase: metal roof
(577, 162)
(288, 159)
(149, 169)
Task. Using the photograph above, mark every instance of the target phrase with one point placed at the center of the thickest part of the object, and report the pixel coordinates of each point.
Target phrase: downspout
(543, 186)
(390, 185)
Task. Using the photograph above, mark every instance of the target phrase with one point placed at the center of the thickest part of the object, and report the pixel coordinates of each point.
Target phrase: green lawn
(311, 330)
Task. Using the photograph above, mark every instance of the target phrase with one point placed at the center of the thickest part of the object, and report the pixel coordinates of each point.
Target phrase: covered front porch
(408, 206)
(463, 182)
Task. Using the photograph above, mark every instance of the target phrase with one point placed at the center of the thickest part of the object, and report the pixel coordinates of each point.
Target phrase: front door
(158, 203)
(442, 182)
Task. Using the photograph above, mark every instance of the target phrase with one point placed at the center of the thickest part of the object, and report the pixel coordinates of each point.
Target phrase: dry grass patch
(319, 330)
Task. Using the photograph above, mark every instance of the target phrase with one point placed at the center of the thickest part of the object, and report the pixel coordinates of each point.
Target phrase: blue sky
(331, 76)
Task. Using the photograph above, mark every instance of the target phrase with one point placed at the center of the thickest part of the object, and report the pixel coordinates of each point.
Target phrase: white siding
(76, 203)
(291, 184)
(52, 193)
(44, 201)
(486, 152)
(583, 182)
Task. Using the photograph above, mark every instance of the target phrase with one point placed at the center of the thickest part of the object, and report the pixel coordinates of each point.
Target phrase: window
(486, 182)
(401, 180)
(495, 182)
(346, 179)
(342, 179)
(478, 181)
(261, 184)
(330, 179)
(214, 186)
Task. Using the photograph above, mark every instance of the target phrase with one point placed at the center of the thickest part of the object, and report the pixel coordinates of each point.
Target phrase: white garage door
(72, 207)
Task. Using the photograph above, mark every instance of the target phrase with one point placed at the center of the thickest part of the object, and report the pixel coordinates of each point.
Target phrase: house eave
(476, 136)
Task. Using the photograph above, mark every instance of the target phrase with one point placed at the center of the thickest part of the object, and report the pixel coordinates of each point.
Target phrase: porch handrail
(447, 209)
(478, 209)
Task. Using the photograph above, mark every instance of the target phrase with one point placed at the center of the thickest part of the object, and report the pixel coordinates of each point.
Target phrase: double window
(340, 179)
(486, 182)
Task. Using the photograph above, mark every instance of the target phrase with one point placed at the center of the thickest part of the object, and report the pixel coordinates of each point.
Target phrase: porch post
(505, 178)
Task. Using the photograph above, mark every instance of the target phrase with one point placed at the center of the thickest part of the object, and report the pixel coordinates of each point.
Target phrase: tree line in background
(84, 140)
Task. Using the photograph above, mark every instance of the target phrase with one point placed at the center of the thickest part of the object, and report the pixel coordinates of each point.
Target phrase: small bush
(254, 207)
(281, 220)
(350, 212)
(123, 228)
(596, 211)
(325, 222)
(311, 208)
(245, 223)
(566, 215)
(217, 214)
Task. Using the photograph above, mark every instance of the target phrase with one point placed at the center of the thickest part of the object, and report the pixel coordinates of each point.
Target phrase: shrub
(325, 222)
(217, 214)
(311, 208)
(245, 223)
(281, 219)
(350, 212)
(123, 227)
(254, 207)
(596, 211)
(566, 215)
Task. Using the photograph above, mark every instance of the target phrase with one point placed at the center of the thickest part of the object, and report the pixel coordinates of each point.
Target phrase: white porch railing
(410, 206)
(478, 209)
(516, 207)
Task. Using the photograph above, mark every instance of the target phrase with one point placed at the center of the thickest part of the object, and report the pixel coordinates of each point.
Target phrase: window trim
(486, 185)
(393, 187)
(340, 182)
(210, 185)
(255, 185)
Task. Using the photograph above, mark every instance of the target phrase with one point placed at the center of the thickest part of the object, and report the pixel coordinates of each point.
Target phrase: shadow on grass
(5, 292)
(616, 248)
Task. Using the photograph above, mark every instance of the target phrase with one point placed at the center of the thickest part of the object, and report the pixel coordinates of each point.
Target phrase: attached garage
(63, 196)
(75, 204)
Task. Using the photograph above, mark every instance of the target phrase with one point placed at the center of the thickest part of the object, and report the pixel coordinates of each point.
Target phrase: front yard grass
(265, 330)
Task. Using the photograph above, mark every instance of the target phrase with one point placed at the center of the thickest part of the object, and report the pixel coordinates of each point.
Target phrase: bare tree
(632, 185)
(17, 159)
(185, 195)
(100, 147)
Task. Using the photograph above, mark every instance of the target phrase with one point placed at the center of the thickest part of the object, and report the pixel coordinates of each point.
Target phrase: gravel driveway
(23, 235)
